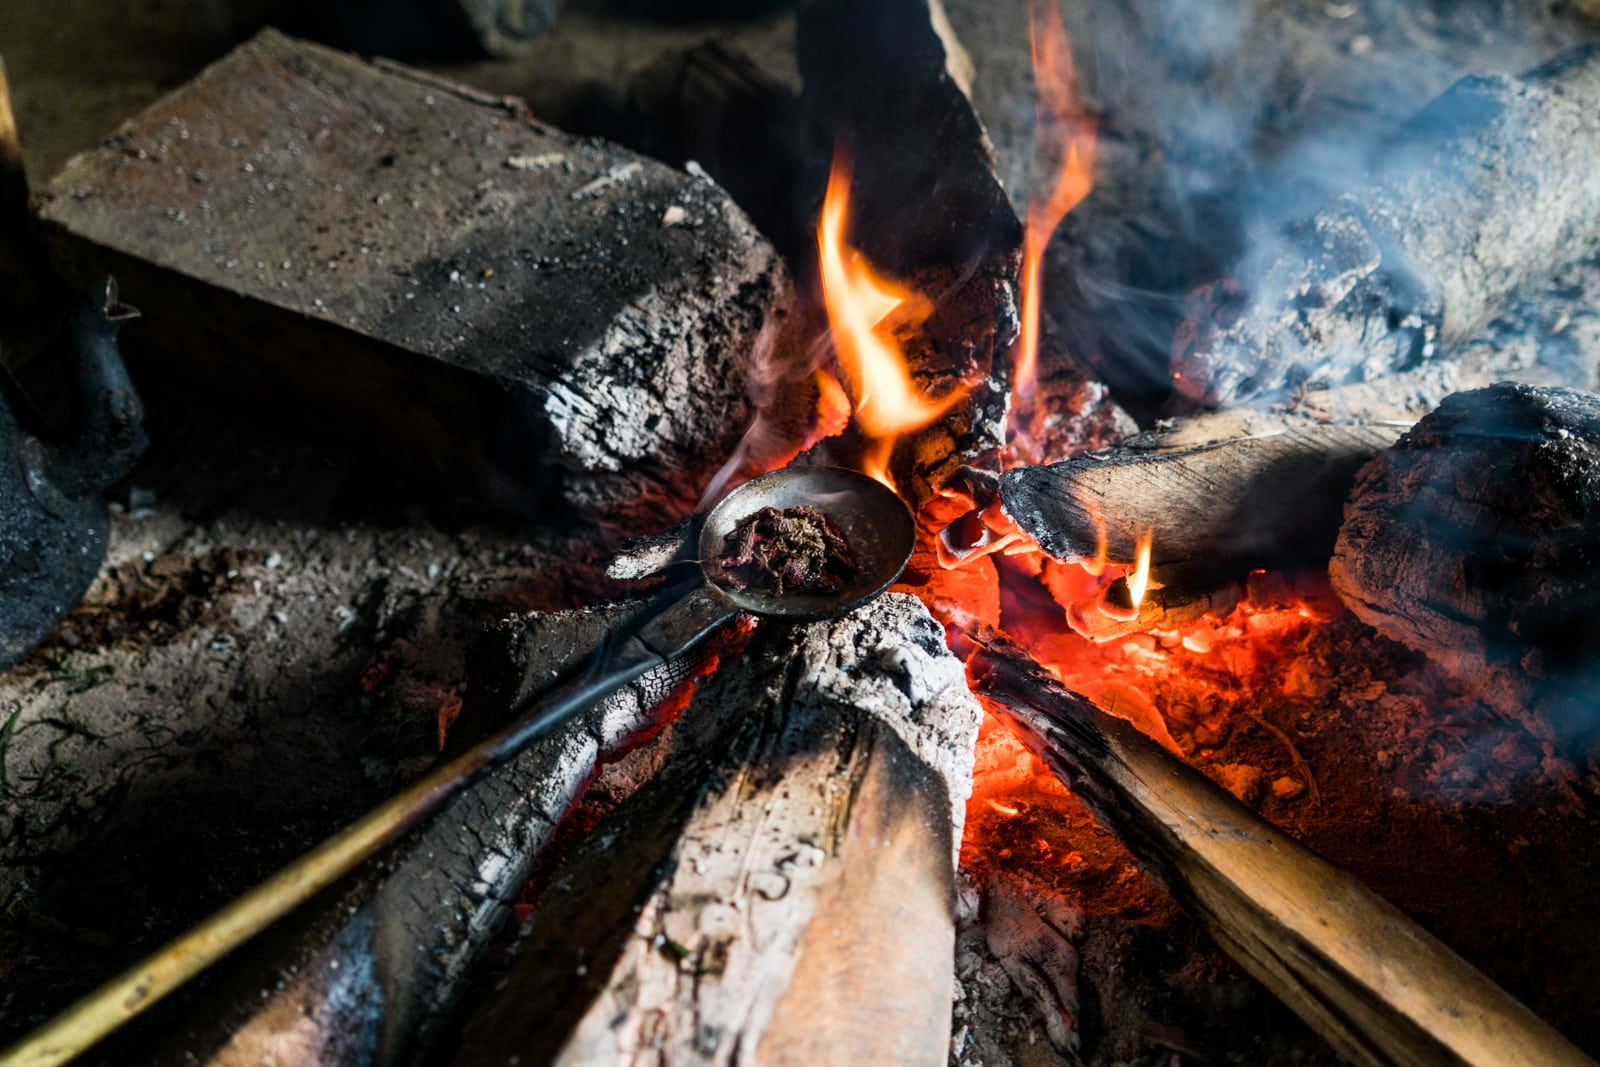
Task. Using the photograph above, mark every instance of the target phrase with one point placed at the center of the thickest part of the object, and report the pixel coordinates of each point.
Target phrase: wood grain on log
(1381, 989)
(1475, 539)
(784, 895)
(1252, 487)
(371, 975)
(1485, 192)
(429, 275)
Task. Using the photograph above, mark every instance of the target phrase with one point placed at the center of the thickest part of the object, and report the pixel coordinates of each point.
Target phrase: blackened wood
(371, 974)
(782, 892)
(1485, 192)
(1477, 537)
(887, 83)
(431, 276)
(1256, 488)
(1377, 986)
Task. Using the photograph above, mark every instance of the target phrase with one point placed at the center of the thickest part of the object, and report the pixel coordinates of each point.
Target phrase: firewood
(888, 81)
(783, 896)
(429, 275)
(1251, 487)
(401, 935)
(1484, 193)
(1475, 540)
(1377, 986)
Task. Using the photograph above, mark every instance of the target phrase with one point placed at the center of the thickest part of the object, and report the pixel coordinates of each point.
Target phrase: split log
(785, 895)
(1475, 539)
(1485, 192)
(371, 974)
(427, 274)
(1256, 488)
(889, 82)
(1378, 987)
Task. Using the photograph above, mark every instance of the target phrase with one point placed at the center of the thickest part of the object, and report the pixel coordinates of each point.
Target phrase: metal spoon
(880, 532)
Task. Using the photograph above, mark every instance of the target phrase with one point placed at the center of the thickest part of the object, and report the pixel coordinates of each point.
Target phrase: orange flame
(1060, 121)
(859, 301)
(1139, 580)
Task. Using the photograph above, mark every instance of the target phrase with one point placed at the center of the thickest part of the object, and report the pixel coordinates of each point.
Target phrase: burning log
(782, 892)
(428, 273)
(373, 972)
(1250, 487)
(1373, 983)
(1474, 540)
(1485, 192)
(888, 81)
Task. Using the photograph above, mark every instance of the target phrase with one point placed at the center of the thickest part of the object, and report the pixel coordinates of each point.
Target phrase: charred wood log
(1476, 537)
(371, 974)
(888, 82)
(1250, 487)
(784, 895)
(430, 275)
(1378, 987)
(1485, 192)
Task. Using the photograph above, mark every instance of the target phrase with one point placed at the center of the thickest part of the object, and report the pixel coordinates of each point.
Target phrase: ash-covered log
(1476, 539)
(1377, 986)
(1256, 488)
(431, 276)
(782, 892)
(372, 971)
(888, 83)
(1486, 192)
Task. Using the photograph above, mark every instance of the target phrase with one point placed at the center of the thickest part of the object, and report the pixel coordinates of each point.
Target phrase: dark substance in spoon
(797, 549)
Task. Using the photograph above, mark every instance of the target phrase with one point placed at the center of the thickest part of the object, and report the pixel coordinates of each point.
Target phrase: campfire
(927, 575)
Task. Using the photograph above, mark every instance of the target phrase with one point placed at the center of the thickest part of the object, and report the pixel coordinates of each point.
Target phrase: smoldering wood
(782, 892)
(1475, 540)
(430, 275)
(1378, 987)
(889, 83)
(372, 973)
(1254, 487)
(1484, 193)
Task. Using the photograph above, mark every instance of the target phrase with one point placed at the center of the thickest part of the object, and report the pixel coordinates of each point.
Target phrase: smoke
(1223, 125)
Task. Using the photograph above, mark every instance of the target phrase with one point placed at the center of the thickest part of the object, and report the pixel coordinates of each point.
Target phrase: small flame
(859, 302)
(1060, 122)
(1139, 580)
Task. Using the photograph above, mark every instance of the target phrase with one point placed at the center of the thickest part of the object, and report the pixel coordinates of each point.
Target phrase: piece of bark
(1256, 488)
(785, 894)
(1033, 933)
(1475, 539)
(888, 83)
(370, 975)
(1377, 986)
(1485, 192)
(429, 275)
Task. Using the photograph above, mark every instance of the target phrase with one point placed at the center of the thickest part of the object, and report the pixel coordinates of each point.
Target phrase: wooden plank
(1380, 989)
(1255, 488)
(431, 276)
(786, 896)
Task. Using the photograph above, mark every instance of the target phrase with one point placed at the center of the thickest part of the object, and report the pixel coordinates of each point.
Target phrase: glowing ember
(1062, 125)
(862, 306)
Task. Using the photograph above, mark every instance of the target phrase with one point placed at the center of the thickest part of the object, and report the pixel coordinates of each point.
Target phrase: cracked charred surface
(782, 892)
(431, 275)
(1475, 541)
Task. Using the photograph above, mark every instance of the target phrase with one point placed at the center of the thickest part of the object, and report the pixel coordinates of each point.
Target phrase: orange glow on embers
(1062, 125)
(862, 306)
